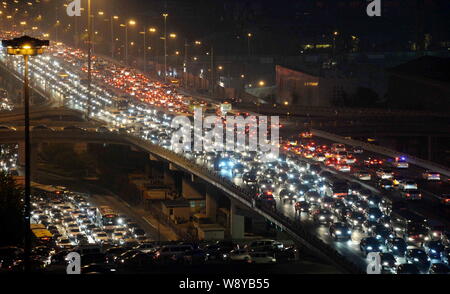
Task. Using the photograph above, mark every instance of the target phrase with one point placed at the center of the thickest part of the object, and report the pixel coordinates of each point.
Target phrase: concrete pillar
(22, 153)
(190, 190)
(169, 179)
(80, 147)
(211, 206)
(236, 223)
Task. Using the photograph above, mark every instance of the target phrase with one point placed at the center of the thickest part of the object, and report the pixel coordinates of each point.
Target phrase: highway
(143, 113)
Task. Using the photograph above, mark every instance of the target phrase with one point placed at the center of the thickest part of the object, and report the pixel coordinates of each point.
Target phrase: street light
(131, 23)
(165, 15)
(26, 46)
(113, 47)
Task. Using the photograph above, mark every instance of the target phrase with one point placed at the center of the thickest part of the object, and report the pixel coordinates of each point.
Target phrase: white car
(385, 174)
(431, 176)
(345, 168)
(408, 185)
(238, 255)
(363, 176)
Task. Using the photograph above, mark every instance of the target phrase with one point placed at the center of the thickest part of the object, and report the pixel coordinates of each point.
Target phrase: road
(147, 100)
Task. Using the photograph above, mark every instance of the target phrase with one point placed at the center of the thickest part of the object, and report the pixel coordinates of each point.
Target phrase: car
(431, 176)
(385, 173)
(439, 269)
(400, 162)
(388, 262)
(373, 162)
(397, 246)
(343, 167)
(172, 252)
(419, 258)
(411, 194)
(264, 245)
(373, 213)
(407, 268)
(101, 237)
(363, 175)
(445, 256)
(381, 233)
(302, 206)
(357, 150)
(434, 249)
(323, 216)
(238, 255)
(340, 231)
(262, 258)
(196, 256)
(356, 219)
(370, 244)
(385, 184)
(327, 202)
(408, 185)
(445, 199)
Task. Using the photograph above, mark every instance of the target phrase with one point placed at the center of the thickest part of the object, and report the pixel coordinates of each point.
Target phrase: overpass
(241, 196)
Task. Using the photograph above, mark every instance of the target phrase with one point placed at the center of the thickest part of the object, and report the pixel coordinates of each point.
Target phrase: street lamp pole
(145, 50)
(112, 37)
(126, 44)
(212, 72)
(26, 46)
(165, 46)
(27, 208)
(89, 85)
(185, 70)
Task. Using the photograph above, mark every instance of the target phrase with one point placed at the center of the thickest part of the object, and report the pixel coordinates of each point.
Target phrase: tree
(11, 211)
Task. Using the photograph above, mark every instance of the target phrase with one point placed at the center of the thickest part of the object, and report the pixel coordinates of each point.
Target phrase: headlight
(349, 231)
(369, 248)
(321, 217)
(416, 259)
(338, 232)
(395, 247)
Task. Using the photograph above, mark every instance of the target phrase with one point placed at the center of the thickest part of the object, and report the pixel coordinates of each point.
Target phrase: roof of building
(176, 203)
(430, 67)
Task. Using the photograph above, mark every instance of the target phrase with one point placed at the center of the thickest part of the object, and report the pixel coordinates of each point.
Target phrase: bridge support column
(21, 153)
(80, 148)
(168, 179)
(211, 206)
(191, 190)
(237, 223)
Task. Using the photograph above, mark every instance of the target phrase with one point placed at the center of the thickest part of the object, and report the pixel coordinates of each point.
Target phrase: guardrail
(384, 151)
(339, 111)
(248, 199)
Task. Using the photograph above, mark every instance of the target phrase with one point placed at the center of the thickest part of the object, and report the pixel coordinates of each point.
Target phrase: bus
(40, 235)
(106, 216)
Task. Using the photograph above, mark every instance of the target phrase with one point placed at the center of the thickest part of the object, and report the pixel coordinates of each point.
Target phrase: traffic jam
(111, 242)
(326, 186)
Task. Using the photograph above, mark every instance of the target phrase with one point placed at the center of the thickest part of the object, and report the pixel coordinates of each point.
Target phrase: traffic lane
(349, 249)
(413, 172)
(124, 208)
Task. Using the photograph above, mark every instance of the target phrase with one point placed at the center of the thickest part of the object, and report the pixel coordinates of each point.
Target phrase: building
(422, 84)
(297, 87)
